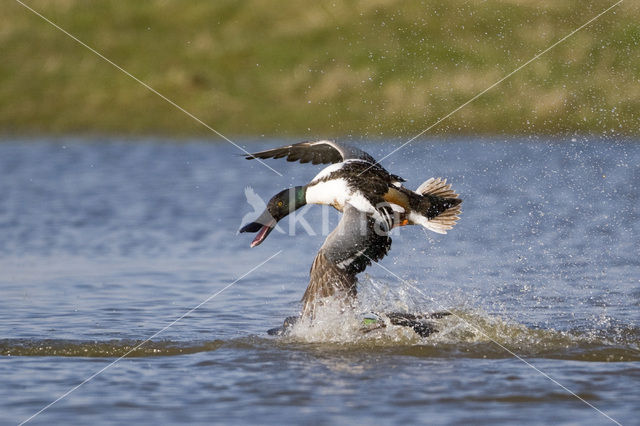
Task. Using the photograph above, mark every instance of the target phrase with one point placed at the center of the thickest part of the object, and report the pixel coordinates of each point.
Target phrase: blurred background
(365, 69)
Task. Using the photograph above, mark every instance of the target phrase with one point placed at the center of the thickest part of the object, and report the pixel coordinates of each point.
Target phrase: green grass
(319, 69)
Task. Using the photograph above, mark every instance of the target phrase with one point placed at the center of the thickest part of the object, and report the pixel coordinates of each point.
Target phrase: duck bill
(262, 225)
(263, 232)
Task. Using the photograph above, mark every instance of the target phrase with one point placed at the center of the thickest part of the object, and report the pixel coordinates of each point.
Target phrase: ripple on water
(463, 334)
(102, 349)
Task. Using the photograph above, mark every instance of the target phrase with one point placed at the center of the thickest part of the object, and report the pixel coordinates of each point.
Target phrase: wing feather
(318, 152)
(348, 250)
(357, 241)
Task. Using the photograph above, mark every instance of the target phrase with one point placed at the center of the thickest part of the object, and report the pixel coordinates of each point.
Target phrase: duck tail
(439, 208)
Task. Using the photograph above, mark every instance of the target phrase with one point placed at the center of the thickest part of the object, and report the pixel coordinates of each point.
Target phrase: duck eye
(279, 203)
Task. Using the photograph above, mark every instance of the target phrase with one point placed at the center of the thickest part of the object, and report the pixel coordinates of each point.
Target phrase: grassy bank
(303, 69)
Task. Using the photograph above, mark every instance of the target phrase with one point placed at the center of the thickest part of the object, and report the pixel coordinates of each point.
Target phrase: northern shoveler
(373, 202)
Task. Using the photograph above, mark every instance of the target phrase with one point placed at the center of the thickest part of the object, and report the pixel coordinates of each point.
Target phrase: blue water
(104, 243)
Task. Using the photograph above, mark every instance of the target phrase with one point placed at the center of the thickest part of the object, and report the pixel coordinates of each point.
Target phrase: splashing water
(465, 332)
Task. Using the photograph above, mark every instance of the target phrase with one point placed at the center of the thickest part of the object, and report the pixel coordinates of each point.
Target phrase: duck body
(370, 188)
(356, 182)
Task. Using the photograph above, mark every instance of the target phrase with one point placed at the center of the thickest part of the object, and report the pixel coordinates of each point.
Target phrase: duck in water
(373, 202)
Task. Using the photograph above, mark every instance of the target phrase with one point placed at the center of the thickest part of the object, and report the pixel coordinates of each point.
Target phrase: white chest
(337, 193)
(334, 193)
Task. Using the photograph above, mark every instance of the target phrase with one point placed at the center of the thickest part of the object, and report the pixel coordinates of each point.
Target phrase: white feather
(327, 171)
(425, 185)
(431, 226)
(336, 192)
(331, 192)
(334, 168)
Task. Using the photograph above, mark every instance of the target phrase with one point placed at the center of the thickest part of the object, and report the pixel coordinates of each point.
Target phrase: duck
(373, 202)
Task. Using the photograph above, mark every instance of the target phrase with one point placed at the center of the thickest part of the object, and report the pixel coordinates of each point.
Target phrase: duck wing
(318, 152)
(357, 241)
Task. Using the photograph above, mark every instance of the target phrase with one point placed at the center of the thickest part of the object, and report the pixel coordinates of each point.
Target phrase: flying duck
(373, 202)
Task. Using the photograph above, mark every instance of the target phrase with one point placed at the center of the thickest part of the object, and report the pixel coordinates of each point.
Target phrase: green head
(279, 206)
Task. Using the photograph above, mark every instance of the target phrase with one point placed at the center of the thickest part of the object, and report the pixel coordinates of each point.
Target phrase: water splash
(467, 331)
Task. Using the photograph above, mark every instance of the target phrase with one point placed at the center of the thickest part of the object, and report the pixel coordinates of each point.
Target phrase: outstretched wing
(357, 241)
(319, 152)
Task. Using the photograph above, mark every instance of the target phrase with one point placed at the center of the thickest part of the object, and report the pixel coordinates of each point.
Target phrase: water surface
(104, 243)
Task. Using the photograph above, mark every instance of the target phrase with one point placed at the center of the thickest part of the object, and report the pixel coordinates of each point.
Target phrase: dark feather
(318, 152)
(357, 241)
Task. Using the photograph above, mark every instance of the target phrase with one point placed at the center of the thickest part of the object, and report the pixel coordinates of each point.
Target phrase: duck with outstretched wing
(373, 202)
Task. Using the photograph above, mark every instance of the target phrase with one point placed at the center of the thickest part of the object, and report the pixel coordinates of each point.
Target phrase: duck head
(278, 207)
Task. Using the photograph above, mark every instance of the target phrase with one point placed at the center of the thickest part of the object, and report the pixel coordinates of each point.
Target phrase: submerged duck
(373, 202)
